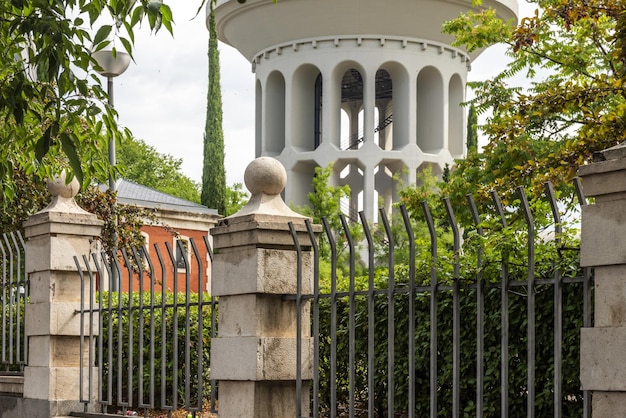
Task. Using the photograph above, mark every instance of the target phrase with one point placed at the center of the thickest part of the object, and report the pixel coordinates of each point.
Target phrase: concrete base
(13, 407)
(12, 386)
(261, 399)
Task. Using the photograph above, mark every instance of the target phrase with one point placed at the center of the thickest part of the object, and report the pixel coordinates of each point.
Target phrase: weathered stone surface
(37, 408)
(56, 351)
(261, 315)
(604, 180)
(54, 383)
(610, 296)
(54, 237)
(608, 404)
(55, 286)
(56, 253)
(260, 231)
(260, 270)
(265, 175)
(258, 358)
(260, 400)
(54, 318)
(255, 265)
(12, 385)
(603, 225)
(603, 359)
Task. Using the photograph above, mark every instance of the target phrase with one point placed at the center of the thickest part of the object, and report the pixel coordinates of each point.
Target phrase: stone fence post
(254, 355)
(54, 236)
(603, 247)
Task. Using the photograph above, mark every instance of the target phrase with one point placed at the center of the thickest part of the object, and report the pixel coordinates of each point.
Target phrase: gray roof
(131, 193)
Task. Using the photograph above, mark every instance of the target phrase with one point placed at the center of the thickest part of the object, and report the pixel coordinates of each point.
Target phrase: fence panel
(434, 319)
(14, 296)
(148, 346)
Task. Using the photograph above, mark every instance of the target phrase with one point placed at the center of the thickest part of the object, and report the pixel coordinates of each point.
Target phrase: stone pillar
(603, 247)
(54, 236)
(254, 355)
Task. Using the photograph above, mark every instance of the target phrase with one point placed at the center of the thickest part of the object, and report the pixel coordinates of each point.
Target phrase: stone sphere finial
(58, 187)
(265, 175)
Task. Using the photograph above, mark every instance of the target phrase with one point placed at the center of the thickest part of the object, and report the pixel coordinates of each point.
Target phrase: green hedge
(170, 319)
(551, 258)
(572, 402)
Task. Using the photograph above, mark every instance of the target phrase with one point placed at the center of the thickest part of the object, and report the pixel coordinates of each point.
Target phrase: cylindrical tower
(372, 86)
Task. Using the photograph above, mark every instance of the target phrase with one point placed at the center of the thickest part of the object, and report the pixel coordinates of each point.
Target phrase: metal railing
(148, 346)
(429, 331)
(354, 140)
(14, 296)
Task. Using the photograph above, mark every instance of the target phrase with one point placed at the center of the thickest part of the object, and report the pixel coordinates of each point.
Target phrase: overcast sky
(162, 95)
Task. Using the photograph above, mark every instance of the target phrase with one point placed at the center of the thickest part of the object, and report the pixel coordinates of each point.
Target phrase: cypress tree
(472, 130)
(213, 172)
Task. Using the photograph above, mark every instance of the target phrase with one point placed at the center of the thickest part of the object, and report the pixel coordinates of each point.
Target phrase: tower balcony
(252, 26)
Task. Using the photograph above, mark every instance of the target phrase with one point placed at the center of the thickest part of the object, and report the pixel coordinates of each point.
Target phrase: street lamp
(112, 65)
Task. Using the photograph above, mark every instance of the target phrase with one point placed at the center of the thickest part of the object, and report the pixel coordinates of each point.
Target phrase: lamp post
(112, 65)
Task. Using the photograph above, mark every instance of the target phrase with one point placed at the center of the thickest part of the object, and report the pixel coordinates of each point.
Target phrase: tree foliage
(53, 109)
(236, 198)
(213, 172)
(138, 162)
(573, 53)
(144, 165)
(472, 129)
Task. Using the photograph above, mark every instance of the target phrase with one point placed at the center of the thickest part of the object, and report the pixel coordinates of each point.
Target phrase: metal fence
(146, 348)
(13, 297)
(449, 327)
(417, 316)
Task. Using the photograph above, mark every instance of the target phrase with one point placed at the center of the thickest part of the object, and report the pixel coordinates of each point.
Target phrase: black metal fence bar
(333, 318)
(391, 285)
(531, 342)
(371, 371)
(456, 316)
(126, 346)
(213, 333)
(371, 337)
(504, 308)
(14, 291)
(480, 313)
(315, 317)
(558, 307)
(298, 321)
(587, 307)
(81, 392)
(351, 319)
(433, 310)
(411, 311)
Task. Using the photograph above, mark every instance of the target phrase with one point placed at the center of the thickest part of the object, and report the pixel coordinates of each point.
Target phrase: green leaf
(43, 144)
(136, 16)
(102, 34)
(166, 15)
(127, 46)
(69, 148)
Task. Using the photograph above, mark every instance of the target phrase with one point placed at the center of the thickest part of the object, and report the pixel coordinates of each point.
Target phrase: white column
(369, 102)
(369, 185)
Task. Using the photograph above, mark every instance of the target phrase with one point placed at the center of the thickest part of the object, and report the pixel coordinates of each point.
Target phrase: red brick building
(179, 221)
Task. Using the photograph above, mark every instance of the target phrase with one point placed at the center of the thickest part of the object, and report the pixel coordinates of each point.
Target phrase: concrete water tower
(371, 85)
